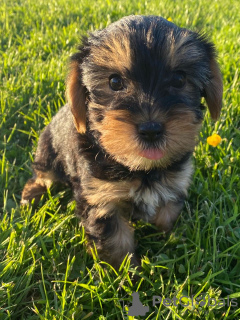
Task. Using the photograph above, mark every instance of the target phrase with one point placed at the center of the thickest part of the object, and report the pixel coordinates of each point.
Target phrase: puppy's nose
(150, 131)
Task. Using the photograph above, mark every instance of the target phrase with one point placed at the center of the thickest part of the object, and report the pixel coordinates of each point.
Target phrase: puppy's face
(137, 85)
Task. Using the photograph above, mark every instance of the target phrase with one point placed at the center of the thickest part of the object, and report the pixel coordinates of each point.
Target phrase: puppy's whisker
(97, 156)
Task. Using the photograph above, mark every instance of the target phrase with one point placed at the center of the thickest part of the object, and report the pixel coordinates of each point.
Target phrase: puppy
(125, 139)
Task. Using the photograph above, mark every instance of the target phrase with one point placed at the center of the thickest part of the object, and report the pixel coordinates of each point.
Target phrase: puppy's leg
(36, 187)
(167, 215)
(112, 236)
(43, 172)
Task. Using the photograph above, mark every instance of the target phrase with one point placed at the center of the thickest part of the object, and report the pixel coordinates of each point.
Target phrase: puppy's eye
(178, 80)
(115, 82)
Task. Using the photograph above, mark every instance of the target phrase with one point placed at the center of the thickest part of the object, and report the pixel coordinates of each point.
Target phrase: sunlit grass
(45, 271)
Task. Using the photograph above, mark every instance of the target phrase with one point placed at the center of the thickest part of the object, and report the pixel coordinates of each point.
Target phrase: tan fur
(113, 135)
(119, 51)
(166, 216)
(181, 130)
(32, 190)
(163, 192)
(179, 51)
(37, 186)
(108, 195)
(120, 244)
(181, 180)
(214, 91)
(100, 192)
(77, 97)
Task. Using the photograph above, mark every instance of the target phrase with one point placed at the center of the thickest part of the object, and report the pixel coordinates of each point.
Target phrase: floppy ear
(213, 90)
(76, 95)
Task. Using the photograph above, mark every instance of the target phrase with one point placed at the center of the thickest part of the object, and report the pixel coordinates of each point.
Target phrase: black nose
(150, 131)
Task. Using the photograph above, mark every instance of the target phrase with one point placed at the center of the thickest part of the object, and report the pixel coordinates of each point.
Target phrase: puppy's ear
(76, 95)
(213, 90)
(76, 91)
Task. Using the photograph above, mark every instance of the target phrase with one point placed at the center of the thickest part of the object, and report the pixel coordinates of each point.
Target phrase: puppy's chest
(158, 190)
(141, 197)
(147, 198)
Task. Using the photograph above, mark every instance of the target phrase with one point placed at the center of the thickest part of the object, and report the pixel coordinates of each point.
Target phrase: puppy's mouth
(152, 154)
(151, 134)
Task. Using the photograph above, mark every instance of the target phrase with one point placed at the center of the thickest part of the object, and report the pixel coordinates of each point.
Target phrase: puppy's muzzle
(150, 131)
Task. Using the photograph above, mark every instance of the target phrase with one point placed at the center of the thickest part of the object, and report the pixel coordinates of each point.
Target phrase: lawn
(45, 272)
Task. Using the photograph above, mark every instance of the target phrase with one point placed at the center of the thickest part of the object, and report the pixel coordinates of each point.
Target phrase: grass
(45, 272)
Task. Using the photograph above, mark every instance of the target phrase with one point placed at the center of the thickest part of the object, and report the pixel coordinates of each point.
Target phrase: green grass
(45, 272)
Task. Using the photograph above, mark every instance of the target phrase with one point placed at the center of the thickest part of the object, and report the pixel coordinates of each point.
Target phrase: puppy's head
(137, 85)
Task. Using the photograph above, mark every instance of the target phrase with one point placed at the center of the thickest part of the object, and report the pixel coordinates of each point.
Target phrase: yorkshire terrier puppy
(125, 139)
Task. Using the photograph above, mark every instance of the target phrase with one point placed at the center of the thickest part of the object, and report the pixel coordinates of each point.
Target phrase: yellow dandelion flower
(169, 19)
(214, 140)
